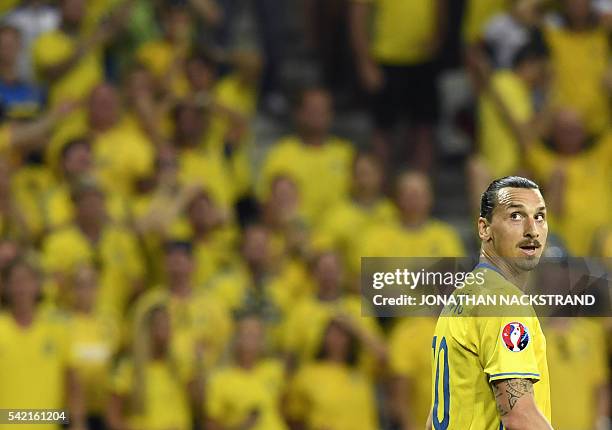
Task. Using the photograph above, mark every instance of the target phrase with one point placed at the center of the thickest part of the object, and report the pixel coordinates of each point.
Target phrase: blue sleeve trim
(514, 374)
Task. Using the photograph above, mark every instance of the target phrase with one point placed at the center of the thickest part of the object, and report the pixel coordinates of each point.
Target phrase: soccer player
(490, 373)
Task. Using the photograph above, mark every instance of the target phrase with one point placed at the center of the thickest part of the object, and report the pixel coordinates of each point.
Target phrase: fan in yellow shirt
(365, 208)
(69, 63)
(577, 174)
(261, 280)
(164, 56)
(76, 167)
(330, 392)
(499, 152)
(412, 233)
(579, 374)
(579, 47)
(199, 160)
(247, 392)
(122, 152)
(200, 320)
(95, 340)
(94, 239)
(410, 362)
(214, 238)
(35, 366)
(150, 389)
(305, 325)
(318, 162)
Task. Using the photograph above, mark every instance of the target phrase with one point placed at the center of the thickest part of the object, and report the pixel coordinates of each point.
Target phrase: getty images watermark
(423, 286)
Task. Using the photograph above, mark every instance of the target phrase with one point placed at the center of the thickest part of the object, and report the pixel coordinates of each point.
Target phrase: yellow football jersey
(33, 364)
(470, 352)
(410, 358)
(578, 367)
(234, 393)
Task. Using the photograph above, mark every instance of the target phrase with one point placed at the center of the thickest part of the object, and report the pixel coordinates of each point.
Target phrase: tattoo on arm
(508, 392)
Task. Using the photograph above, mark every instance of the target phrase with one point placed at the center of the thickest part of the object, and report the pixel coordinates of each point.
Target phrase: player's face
(518, 229)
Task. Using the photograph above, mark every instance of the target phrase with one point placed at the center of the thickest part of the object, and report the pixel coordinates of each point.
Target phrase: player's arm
(428, 424)
(516, 405)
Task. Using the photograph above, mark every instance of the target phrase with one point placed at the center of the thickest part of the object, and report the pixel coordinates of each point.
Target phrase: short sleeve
(214, 405)
(121, 382)
(50, 49)
(507, 348)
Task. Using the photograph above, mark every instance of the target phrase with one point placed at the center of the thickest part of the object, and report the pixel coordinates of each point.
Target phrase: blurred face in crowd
(139, 84)
(328, 275)
(77, 160)
(249, 339)
(167, 166)
(10, 44)
(314, 115)
(256, 246)
(577, 11)
(284, 198)
(90, 207)
(23, 286)
(177, 24)
(535, 71)
(202, 213)
(518, 229)
(73, 12)
(179, 266)
(367, 176)
(568, 132)
(200, 73)
(190, 124)
(104, 107)
(160, 329)
(528, 11)
(336, 343)
(85, 288)
(414, 197)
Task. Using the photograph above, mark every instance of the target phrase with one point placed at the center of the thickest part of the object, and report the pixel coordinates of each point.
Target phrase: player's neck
(511, 274)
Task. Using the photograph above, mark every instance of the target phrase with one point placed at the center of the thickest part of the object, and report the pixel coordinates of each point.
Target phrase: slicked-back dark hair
(489, 199)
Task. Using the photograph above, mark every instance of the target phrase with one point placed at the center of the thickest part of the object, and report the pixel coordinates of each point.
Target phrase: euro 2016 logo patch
(515, 336)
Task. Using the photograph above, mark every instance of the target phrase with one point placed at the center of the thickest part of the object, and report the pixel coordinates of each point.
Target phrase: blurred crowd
(163, 267)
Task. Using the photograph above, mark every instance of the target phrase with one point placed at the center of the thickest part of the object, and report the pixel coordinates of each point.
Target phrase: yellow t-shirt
(339, 225)
(235, 393)
(122, 155)
(410, 357)
(165, 401)
(95, 341)
(402, 30)
(498, 148)
(587, 185)
(326, 395)
(159, 56)
(478, 13)
(322, 173)
(433, 239)
(232, 93)
(33, 364)
(585, 54)
(30, 186)
(55, 47)
(578, 368)
(304, 328)
(471, 351)
(117, 253)
(209, 170)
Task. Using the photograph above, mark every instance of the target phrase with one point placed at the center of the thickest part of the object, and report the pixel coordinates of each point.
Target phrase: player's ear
(484, 229)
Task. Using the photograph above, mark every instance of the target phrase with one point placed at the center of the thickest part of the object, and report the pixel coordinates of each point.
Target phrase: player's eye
(540, 216)
(515, 216)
